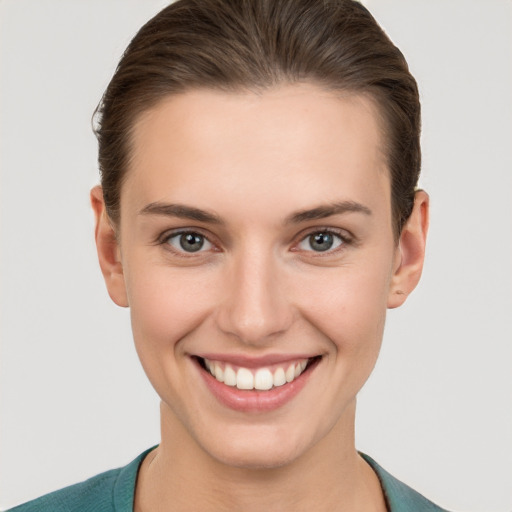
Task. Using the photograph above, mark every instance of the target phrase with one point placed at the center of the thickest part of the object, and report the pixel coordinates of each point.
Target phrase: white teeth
(261, 379)
(219, 373)
(244, 379)
(279, 377)
(290, 373)
(229, 376)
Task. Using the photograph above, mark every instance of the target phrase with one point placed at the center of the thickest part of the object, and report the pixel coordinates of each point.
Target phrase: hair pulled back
(235, 45)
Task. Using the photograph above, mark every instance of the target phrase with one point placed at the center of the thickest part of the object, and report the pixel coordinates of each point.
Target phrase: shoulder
(111, 491)
(400, 497)
(93, 494)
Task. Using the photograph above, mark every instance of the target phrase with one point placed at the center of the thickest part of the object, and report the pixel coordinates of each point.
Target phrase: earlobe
(411, 252)
(109, 254)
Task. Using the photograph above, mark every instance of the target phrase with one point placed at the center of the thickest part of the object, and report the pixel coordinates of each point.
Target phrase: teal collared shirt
(400, 497)
(113, 491)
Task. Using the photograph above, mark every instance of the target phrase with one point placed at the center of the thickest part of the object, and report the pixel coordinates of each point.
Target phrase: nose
(254, 306)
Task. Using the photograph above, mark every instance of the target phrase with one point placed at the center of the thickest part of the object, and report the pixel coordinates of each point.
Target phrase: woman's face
(256, 235)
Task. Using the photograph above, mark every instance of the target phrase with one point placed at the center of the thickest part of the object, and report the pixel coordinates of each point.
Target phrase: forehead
(287, 144)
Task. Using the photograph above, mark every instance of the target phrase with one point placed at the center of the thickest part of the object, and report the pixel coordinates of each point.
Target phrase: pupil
(191, 242)
(321, 241)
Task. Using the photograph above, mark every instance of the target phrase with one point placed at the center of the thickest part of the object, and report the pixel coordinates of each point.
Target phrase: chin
(256, 448)
(254, 457)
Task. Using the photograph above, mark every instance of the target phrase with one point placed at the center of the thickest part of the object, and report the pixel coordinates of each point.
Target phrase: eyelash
(165, 239)
(343, 237)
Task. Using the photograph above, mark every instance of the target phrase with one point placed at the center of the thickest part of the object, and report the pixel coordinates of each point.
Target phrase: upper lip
(255, 362)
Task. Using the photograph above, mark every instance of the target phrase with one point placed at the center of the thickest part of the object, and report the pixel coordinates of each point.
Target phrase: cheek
(349, 306)
(167, 304)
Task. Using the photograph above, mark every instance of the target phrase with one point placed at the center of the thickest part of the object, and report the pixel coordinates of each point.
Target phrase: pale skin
(268, 170)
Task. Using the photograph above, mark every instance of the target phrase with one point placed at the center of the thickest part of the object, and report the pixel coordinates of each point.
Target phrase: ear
(109, 253)
(410, 252)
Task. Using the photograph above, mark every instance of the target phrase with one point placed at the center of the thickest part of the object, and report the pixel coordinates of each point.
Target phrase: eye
(321, 241)
(189, 242)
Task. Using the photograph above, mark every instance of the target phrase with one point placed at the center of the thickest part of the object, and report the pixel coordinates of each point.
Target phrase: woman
(258, 214)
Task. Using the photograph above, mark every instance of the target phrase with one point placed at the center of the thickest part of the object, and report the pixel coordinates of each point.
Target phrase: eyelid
(163, 239)
(346, 237)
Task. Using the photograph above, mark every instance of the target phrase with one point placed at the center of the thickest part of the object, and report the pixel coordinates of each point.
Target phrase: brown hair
(234, 45)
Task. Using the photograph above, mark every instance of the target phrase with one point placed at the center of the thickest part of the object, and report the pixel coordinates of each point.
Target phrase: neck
(180, 476)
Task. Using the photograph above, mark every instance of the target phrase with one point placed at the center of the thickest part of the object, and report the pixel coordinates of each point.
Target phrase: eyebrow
(191, 213)
(323, 211)
(181, 211)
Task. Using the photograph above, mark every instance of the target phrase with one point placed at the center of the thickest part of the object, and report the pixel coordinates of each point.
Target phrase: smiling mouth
(260, 379)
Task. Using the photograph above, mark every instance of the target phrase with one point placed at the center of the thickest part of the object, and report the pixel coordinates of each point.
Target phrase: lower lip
(253, 400)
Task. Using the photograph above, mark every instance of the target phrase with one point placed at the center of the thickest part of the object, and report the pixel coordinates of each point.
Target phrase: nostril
(255, 325)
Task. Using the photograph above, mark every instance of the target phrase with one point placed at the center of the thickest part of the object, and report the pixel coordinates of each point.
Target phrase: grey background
(437, 411)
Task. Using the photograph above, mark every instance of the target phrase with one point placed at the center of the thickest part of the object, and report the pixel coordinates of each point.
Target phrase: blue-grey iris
(191, 242)
(321, 241)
